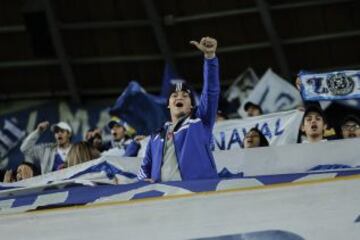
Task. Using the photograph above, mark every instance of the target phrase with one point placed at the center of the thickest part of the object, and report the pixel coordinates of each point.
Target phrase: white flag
(274, 94)
(241, 88)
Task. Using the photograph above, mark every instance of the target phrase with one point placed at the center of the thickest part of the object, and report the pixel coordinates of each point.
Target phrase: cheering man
(181, 149)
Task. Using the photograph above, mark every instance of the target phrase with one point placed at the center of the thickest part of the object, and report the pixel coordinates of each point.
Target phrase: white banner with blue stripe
(293, 158)
(179, 210)
(74, 192)
(114, 178)
(338, 85)
(278, 128)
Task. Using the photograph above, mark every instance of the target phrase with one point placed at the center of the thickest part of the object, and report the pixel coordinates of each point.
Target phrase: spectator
(252, 109)
(350, 127)
(81, 152)
(181, 149)
(51, 156)
(328, 133)
(133, 148)
(298, 83)
(121, 140)
(220, 116)
(24, 171)
(254, 138)
(94, 138)
(313, 124)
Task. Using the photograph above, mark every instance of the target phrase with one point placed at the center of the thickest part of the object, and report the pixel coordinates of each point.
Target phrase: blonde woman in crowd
(81, 152)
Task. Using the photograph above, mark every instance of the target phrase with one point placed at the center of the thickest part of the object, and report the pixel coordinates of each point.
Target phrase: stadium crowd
(181, 149)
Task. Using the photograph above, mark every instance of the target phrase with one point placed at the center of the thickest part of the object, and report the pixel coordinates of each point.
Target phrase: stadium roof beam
(111, 92)
(61, 52)
(12, 29)
(274, 37)
(84, 26)
(104, 25)
(156, 23)
(107, 92)
(188, 54)
(171, 20)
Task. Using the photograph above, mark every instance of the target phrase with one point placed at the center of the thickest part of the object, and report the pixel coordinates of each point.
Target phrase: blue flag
(169, 78)
(143, 111)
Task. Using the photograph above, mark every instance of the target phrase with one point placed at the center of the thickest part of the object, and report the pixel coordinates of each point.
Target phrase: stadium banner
(338, 85)
(73, 192)
(280, 160)
(279, 129)
(321, 209)
(293, 158)
(290, 158)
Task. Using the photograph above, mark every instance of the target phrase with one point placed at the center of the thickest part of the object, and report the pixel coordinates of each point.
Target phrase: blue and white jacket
(192, 135)
(130, 146)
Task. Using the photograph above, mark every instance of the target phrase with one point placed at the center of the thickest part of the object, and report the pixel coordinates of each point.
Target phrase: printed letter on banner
(330, 86)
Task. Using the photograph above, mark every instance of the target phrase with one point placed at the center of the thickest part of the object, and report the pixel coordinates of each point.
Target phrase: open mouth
(314, 127)
(179, 104)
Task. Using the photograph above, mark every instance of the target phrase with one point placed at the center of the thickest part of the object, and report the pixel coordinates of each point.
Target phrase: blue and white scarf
(336, 85)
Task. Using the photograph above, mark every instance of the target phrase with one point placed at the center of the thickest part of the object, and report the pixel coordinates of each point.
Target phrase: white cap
(61, 125)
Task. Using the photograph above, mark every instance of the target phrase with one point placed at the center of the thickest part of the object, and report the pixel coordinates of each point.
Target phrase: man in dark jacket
(181, 149)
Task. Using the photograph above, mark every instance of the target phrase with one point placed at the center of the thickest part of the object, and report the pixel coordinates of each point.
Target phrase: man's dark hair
(182, 87)
(251, 104)
(314, 108)
(350, 118)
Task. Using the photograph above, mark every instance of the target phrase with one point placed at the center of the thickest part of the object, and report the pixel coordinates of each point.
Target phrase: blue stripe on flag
(148, 194)
(24, 201)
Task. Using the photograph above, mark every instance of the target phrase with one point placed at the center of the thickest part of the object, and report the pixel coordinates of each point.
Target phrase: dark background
(83, 49)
